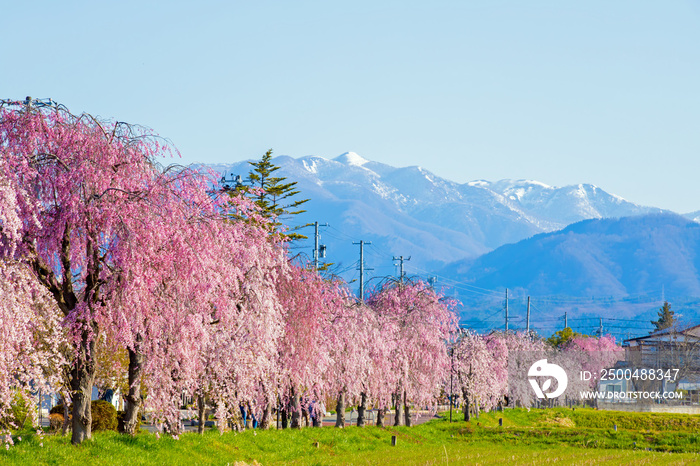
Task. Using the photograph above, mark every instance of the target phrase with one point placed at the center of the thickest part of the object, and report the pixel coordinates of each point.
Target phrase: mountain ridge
(473, 217)
(608, 269)
(444, 225)
(411, 189)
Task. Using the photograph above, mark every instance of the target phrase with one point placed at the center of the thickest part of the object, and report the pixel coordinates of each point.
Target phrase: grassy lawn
(555, 436)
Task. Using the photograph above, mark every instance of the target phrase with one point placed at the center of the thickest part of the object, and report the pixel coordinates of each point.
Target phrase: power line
(343, 234)
(379, 252)
(556, 299)
(443, 278)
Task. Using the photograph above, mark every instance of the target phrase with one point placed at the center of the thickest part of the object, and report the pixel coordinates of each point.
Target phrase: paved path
(351, 419)
(328, 421)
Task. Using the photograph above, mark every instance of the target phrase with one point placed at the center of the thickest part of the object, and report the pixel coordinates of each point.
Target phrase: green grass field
(555, 436)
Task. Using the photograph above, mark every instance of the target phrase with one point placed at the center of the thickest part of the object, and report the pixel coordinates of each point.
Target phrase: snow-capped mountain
(410, 211)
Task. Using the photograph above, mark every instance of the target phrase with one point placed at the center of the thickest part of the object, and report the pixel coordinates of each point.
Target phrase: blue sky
(561, 92)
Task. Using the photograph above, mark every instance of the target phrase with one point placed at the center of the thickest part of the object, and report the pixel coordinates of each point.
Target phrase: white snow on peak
(522, 183)
(351, 158)
(537, 183)
(620, 199)
(425, 173)
(518, 190)
(310, 166)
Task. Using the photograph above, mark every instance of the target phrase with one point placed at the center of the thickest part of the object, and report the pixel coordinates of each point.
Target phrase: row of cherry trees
(492, 370)
(116, 270)
(104, 252)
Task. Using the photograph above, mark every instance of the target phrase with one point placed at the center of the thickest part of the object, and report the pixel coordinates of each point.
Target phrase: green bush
(18, 415)
(104, 416)
(58, 409)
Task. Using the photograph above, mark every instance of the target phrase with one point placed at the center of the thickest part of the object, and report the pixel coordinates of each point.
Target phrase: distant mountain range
(602, 260)
(411, 211)
(489, 235)
(604, 273)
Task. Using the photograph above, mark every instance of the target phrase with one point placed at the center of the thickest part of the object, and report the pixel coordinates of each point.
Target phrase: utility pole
(600, 328)
(401, 259)
(528, 315)
(318, 253)
(29, 103)
(362, 268)
(506, 309)
(233, 184)
(566, 320)
(452, 369)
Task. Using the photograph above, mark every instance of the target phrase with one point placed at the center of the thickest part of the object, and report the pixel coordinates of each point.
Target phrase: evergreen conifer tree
(273, 194)
(666, 318)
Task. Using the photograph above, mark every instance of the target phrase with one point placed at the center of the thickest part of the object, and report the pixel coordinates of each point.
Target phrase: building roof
(665, 334)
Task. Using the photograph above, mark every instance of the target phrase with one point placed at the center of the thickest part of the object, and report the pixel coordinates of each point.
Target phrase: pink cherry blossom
(415, 323)
(98, 241)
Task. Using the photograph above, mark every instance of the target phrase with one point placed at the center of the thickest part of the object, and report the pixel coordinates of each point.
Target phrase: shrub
(18, 414)
(58, 409)
(55, 422)
(104, 416)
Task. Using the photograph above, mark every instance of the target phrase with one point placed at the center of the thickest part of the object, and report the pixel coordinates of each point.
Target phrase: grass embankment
(540, 436)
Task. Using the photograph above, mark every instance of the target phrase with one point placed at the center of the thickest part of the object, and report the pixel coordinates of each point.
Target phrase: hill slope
(617, 270)
(602, 257)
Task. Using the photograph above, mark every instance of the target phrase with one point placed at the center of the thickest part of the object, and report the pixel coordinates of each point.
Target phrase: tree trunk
(133, 397)
(266, 416)
(296, 410)
(406, 411)
(380, 417)
(317, 415)
(173, 428)
(82, 378)
(285, 418)
(304, 415)
(66, 417)
(202, 408)
(397, 406)
(467, 415)
(235, 420)
(340, 410)
(66, 421)
(361, 409)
